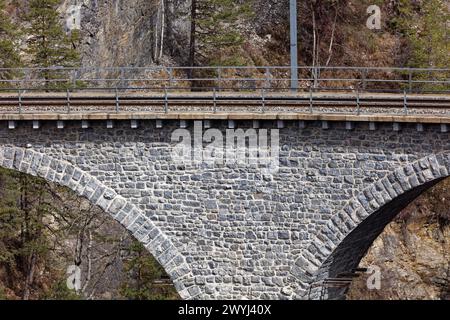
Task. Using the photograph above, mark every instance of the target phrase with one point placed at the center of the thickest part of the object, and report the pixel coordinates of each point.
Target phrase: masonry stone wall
(232, 231)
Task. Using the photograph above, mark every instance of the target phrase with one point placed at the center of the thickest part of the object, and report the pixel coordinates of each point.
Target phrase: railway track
(207, 102)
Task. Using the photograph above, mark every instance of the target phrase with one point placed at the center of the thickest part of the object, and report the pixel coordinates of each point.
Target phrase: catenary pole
(294, 47)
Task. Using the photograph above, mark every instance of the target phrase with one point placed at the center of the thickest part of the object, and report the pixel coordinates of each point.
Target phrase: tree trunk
(155, 50)
(163, 18)
(330, 48)
(191, 58)
(30, 276)
(315, 52)
(314, 37)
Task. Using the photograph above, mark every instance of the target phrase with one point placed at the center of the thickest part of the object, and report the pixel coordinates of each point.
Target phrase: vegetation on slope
(9, 39)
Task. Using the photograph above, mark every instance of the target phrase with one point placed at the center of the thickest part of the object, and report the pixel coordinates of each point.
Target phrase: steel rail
(219, 99)
(86, 103)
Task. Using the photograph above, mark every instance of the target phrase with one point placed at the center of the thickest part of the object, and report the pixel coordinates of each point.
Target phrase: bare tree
(159, 31)
(330, 48)
(163, 18)
(192, 41)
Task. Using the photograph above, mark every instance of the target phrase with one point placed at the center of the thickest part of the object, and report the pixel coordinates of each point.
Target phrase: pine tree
(22, 239)
(214, 30)
(48, 45)
(143, 270)
(425, 27)
(9, 44)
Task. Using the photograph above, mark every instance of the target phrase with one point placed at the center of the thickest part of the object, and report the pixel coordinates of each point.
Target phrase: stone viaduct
(236, 232)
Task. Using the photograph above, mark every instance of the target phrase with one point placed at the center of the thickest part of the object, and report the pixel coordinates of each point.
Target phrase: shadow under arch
(340, 245)
(119, 208)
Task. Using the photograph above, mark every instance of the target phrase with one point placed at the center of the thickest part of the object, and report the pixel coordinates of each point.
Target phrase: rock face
(413, 253)
(125, 33)
(122, 33)
(116, 32)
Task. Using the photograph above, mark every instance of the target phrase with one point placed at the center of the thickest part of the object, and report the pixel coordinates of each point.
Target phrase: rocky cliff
(413, 252)
(132, 33)
(115, 32)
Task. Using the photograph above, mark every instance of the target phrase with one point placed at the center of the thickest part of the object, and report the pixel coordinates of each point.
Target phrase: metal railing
(261, 89)
(221, 78)
(173, 100)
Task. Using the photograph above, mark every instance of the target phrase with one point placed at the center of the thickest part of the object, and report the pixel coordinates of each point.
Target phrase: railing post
(98, 77)
(405, 102)
(310, 99)
(170, 71)
(316, 77)
(364, 76)
(117, 100)
(268, 84)
(263, 100)
(75, 78)
(68, 100)
(410, 81)
(122, 77)
(358, 104)
(20, 100)
(294, 44)
(214, 100)
(166, 101)
(25, 78)
(219, 78)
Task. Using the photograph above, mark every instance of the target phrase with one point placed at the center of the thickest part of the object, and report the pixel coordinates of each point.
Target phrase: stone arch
(343, 241)
(142, 228)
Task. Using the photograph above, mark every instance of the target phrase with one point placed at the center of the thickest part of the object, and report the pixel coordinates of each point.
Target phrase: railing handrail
(371, 68)
(173, 77)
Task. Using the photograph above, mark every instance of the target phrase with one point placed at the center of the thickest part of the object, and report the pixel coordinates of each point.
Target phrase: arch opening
(340, 245)
(55, 244)
(347, 256)
(83, 184)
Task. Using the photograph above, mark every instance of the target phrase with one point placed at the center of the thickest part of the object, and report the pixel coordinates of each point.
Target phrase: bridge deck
(330, 106)
(226, 116)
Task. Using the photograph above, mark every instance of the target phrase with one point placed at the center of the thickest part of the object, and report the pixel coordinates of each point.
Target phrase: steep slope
(413, 252)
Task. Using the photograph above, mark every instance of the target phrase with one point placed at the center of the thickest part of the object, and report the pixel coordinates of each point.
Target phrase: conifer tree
(425, 27)
(22, 238)
(143, 271)
(48, 44)
(9, 44)
(214, 28)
